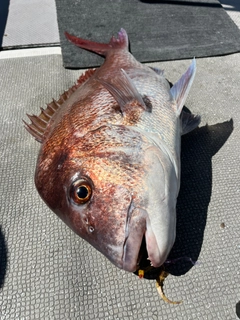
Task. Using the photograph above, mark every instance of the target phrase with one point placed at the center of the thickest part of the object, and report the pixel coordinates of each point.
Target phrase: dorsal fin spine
(46, 115)
(50, 109)
(37, 135)
(55, 104)
(39, 123)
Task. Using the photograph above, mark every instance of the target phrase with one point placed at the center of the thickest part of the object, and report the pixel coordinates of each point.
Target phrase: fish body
(109, 164)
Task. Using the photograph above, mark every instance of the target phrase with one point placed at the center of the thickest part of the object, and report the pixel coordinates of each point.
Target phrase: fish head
(99, 185)
(110, 190)
(89, 182)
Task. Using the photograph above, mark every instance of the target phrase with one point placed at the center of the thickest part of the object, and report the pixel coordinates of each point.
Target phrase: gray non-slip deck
(28, 23)
(53, 274)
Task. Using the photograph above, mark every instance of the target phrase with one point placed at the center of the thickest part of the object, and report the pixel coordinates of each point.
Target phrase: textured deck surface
(47, 272)
(30, 23)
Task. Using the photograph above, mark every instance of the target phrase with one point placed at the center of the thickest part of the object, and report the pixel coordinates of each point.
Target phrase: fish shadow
(198, 148)
(3, 259)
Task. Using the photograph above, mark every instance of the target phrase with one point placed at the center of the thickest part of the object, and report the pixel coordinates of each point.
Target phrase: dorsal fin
(39, 123)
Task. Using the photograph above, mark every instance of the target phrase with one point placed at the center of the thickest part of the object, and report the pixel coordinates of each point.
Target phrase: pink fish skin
(109, 163)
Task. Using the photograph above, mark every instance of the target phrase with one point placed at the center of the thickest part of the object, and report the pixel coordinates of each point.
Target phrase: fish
(109, 162)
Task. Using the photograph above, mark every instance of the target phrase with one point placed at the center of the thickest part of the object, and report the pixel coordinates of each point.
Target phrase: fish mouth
(139, 254)
(140, 245)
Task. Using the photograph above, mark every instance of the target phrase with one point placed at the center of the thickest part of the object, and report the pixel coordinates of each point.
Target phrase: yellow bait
(159, 284)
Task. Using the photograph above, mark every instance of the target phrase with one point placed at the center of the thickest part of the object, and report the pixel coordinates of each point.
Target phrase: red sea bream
(109, 164)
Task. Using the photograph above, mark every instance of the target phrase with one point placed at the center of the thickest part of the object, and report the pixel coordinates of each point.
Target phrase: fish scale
(162, 120)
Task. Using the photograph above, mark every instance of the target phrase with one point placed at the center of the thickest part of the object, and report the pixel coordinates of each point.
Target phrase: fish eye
(80, 191)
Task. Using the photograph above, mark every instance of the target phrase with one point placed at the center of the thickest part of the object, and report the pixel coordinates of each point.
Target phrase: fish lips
(139, 239)
(134, 232)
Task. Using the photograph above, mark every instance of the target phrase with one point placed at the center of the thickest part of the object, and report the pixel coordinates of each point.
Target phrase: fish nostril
(90, 229)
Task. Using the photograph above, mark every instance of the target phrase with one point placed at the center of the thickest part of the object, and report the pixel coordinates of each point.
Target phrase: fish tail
(121, 42)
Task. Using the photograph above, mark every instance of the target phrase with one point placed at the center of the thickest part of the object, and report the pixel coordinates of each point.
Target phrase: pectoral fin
(189, 122)
(180, 89)
(126, 94)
